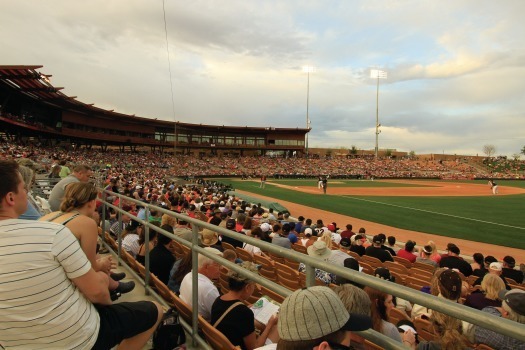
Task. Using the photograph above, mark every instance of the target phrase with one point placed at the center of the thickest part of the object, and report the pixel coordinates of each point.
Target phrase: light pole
(377, 74)
(307, 70)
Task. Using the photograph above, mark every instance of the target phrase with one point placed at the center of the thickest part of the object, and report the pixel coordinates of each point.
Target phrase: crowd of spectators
(163, 165)
(211, 201)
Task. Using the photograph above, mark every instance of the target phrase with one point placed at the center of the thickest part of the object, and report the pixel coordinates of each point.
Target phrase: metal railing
(468, 314)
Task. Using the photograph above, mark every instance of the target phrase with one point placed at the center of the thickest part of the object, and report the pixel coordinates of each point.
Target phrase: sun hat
(311, 313)
(319, 250)
(209, 237)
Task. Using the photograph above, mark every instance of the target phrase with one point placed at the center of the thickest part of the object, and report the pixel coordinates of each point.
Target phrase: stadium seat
(214, 337)
(372, 261)
(272, 295)
(424, 329)
(299, 248)
(396, 267)
(423, 266)
(243, 254)
(403, 261)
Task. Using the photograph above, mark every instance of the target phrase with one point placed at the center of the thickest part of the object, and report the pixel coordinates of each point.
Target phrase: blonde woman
(327, 239)
(32, 212)
(434, 255)
(76, 213)
(488, 296)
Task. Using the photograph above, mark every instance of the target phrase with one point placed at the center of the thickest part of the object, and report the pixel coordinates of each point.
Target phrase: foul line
(434, 212)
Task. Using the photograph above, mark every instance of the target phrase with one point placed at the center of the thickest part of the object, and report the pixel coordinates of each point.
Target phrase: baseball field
(465, 210)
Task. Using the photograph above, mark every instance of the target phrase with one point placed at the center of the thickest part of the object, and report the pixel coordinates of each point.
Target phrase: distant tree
(353, 150)
(523, 150)
(516, 156)
(412, 154)
(489, 150)
(388, 153)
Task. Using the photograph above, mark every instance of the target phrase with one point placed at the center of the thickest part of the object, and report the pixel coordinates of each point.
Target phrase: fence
(498, 324)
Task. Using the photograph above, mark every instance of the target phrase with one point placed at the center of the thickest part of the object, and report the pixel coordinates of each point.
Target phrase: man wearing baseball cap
(512, 308)
(316, 317)
(508, 270)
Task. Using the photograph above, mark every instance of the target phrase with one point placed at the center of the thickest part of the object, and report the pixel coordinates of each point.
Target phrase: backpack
(169, 333)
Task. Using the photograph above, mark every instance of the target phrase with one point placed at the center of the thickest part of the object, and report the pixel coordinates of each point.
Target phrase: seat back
(403, 261)
(226, 245)
(243, 254)
(415, 283)
(372, 261)
(423, 266)
(424, 329)
(214, 337)
(396, 267)
(299, 248)
(162, 289)
(272, 295)
(395, 315)
(183, 308)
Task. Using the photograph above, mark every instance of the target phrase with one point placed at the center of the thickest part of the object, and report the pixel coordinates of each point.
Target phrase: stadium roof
(29, 82)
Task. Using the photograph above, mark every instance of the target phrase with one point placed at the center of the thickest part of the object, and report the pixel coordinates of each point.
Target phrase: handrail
(477, 317)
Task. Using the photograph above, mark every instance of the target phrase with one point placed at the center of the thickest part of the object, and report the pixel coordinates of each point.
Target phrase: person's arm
(85, 229)
(251, 341)
(94, 286)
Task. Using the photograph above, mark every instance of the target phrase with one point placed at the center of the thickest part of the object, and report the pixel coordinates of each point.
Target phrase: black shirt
(359, 249)
(237, 324)
(379, 253)
(160, 262)
(514, 274)
(454, 262)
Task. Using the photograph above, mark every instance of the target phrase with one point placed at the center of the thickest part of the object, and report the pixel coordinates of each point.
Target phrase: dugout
(265, 203)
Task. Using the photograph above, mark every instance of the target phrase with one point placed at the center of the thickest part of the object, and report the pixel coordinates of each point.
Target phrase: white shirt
(41, 308)
(206, 295)
(253, 250)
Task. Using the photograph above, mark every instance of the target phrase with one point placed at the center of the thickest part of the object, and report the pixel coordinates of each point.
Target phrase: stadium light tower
(377, 74)
(307, 70)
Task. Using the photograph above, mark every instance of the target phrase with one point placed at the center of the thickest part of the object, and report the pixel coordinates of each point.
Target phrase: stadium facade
(32, 108)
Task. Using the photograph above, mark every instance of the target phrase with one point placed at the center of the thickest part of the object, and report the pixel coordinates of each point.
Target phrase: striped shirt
(40, 308)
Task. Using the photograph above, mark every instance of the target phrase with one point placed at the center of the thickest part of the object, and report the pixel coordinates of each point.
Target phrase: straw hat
(319, 250)
(209, 237)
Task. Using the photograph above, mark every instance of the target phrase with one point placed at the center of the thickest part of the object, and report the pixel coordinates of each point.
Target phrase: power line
(171, 80)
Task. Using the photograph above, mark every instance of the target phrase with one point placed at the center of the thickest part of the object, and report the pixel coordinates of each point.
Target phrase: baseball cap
(311, 313)
(490, 259)
(376, 239)
(510, 261)
(496, 266)
(331, 227)
(308, 231)
(265, 227)
(515, 299)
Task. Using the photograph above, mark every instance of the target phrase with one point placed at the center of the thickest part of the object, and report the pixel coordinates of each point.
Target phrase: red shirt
(407, 255)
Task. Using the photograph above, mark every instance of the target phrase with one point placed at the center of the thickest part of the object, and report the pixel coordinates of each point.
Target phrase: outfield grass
(345, 183)
(490, 219)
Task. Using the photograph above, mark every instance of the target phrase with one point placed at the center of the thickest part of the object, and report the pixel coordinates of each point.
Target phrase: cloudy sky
(456, 68)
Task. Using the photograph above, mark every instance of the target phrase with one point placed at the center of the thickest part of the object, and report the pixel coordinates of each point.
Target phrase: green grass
(344, 183)
(490, 219)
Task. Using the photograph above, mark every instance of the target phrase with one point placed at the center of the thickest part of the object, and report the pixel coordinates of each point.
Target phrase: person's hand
(107, 264)
(409, 339)
(272, 321)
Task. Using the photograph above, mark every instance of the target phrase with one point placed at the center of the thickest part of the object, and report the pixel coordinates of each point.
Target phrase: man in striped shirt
(51, 296)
